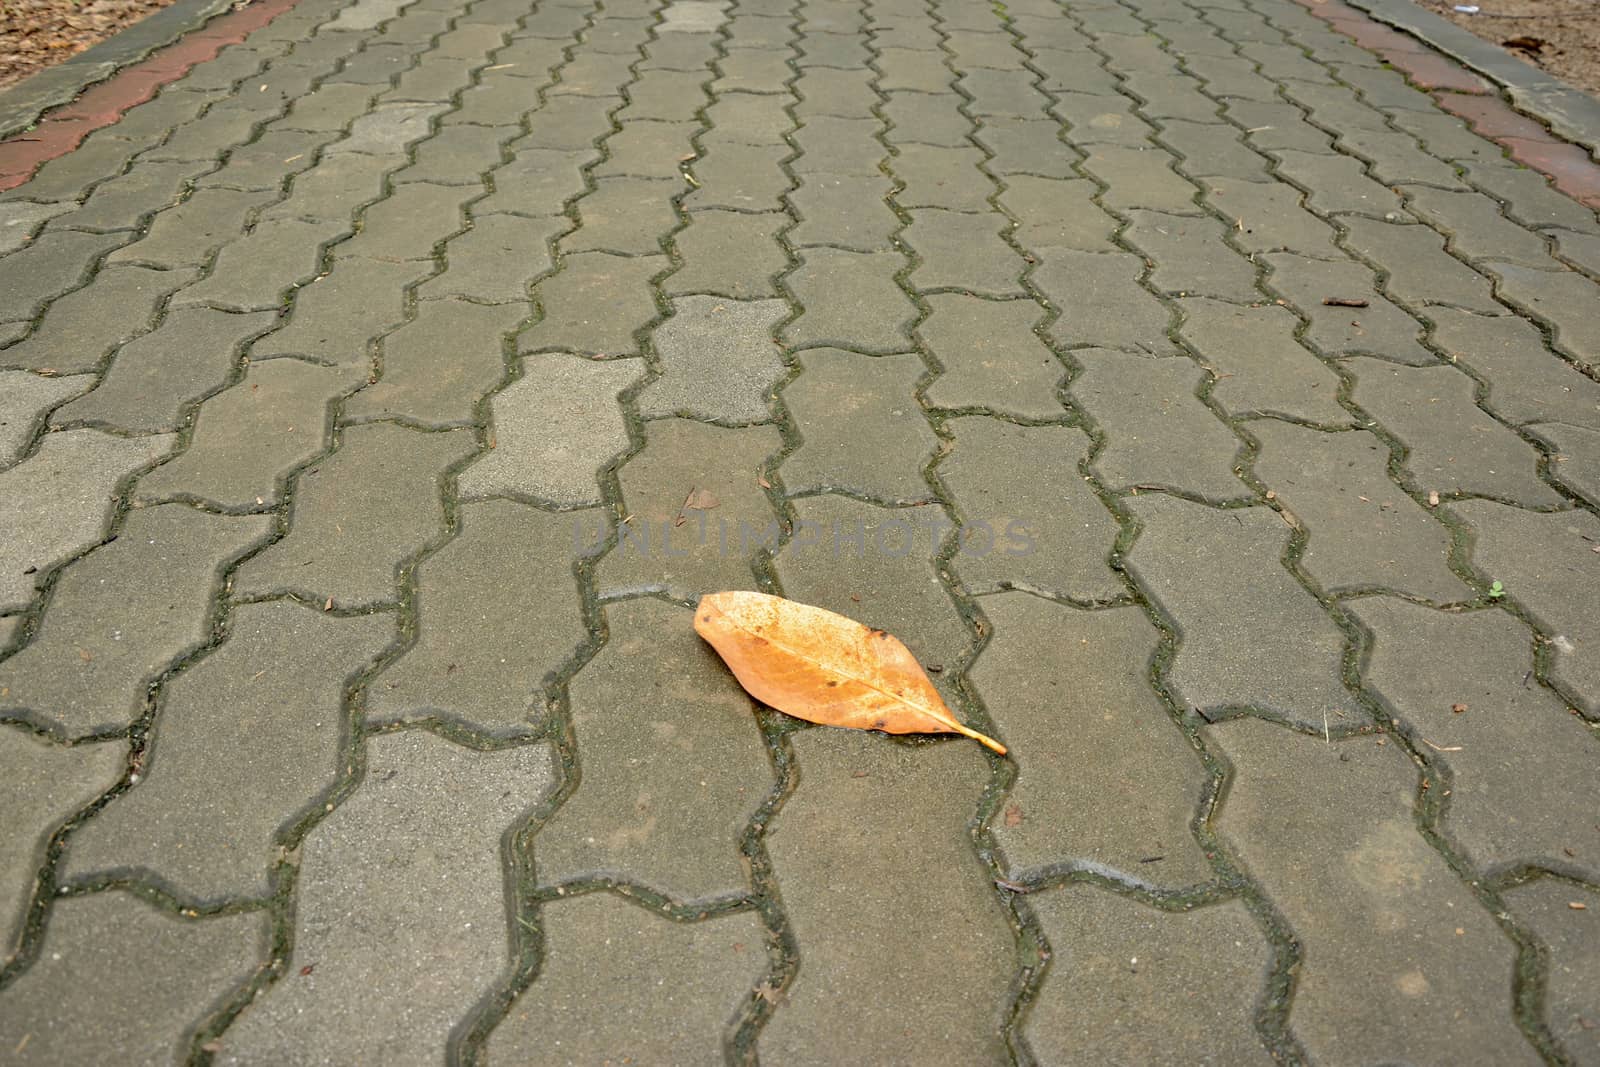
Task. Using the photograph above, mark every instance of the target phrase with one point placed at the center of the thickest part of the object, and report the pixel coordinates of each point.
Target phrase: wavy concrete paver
(381, 382)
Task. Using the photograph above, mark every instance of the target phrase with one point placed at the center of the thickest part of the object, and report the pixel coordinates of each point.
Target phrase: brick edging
(164, 56)
(1570, 168)
(22, 104)
(1566, 109)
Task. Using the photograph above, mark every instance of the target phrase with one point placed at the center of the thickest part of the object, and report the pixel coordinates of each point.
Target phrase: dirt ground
(1561, 36)
(35, 34)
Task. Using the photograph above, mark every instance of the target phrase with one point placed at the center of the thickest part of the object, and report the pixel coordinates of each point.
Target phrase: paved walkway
(378, 396)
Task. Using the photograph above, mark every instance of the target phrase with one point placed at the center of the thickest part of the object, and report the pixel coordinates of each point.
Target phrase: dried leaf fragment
(816, 665)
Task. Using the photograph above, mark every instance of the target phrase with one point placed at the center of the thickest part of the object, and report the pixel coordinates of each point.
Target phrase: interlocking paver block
(358, 515)
(729, 253)
(1573, 939)
(870, 971)
(389, 228)
(474, 666)
(336, 188)
(119, 616)
(941, 177)
(1502, 817)
(718, 360)
(1419, 270)
(648, 149)
(250, 437)
(119, 203)
(1328, 830)
(1139, 177)
(1396, 159)
(595, 304)
(599, 995)
(673, 763)
(739, 177)
(1211, 151)
(1249, 635)
(1575, 461)
(56, 503)
(24, 399)
(1157, 431)
(387, 129)
(1055, 213)
(218, 787)
(1268, 217)
(400, 910)
(494, 261)
(253, 272)
(42, 785)
(963, 252)
(829, 145)
(555, 428)
(1546, 561)
(1190, 256)
(874, 565)
(1565, 299)
(335, 319)
(1365, 532)
(1380, 328)
(861, 428)
(1475, 227)
(1453, 446)
(1106, 781)
(675, 540)
(190, 233)
(85, 326)
(624, 215)
(537, 181)
(1337, 184)
(849, 300)
(1529, 197)
(153, 378)
(990, 357)
(1527, 384)
(1100, 300)
(926, 118)
(115, 973)
(438, 365)
(668, 95)
(1029, 518)
(20, 222)
(849, 212)
(1258, 365)
(1130, 981)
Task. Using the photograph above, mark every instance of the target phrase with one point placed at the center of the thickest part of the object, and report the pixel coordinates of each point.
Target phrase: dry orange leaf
(823, 667)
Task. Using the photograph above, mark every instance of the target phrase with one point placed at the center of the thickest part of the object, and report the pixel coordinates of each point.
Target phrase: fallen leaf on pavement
(816, 665)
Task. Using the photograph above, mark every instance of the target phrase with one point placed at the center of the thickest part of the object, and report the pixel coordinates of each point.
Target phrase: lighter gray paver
(24, 399)
(554, 452)
(718, 360)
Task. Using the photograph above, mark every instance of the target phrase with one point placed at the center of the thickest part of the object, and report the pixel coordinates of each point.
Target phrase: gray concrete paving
(1215, 417)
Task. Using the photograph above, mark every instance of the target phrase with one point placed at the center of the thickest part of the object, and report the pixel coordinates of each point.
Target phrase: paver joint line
(1203, 390)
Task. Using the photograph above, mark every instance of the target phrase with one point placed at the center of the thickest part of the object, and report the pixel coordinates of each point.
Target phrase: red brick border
(64, 128)
(1464, 94)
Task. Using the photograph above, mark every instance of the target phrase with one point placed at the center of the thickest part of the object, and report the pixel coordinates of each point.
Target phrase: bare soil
(35, 34)
(1560, 36)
